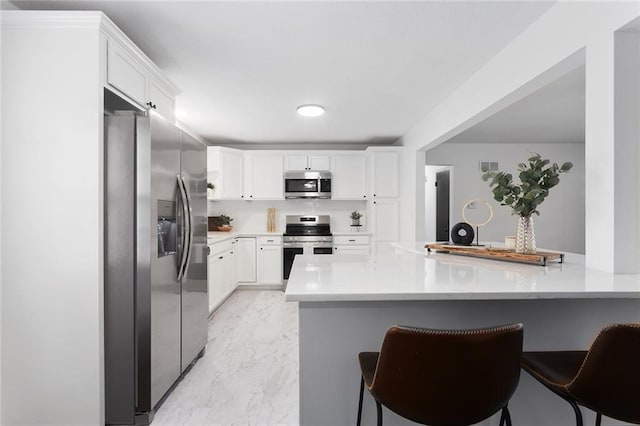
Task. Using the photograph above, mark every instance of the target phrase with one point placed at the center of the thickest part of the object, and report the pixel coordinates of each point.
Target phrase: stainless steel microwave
(309, 184)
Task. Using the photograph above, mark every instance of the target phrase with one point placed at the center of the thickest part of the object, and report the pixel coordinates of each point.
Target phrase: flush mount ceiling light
(310, 110)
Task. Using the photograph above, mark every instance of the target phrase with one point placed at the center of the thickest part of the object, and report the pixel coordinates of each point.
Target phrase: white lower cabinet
(245, 252)
(221, 272)
(351, 244)
(270, 260)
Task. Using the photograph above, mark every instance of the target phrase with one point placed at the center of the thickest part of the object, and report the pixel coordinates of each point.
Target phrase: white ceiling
(377, 67)
(555, 113)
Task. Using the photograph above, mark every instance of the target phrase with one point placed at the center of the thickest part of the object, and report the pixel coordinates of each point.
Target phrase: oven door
(323, 250)
(288, 254)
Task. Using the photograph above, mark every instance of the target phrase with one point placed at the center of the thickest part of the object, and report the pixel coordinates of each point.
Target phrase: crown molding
(82, 19)
(50, 19)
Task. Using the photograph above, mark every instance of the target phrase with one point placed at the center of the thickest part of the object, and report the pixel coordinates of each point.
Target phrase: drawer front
(351, 239)
(270, 241)
(221, 246)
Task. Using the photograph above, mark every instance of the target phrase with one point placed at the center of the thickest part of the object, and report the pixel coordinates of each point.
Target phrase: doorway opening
(437, 198)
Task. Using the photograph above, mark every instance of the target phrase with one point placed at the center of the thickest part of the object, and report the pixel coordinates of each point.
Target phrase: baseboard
(259, 287)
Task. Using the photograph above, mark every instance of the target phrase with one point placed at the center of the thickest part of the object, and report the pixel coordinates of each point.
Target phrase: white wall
(569, 35)
(560, 225)
(52, 221)
(251, 216)
(627, 152)
(1, 240)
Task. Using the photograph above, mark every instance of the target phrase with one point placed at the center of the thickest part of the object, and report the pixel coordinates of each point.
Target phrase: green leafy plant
(355, 215)
(537, 177)
(211, 186)
(222, 220)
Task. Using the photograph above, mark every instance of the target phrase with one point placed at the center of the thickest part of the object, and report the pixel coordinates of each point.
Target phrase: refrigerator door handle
(185, 227)
(190, 212)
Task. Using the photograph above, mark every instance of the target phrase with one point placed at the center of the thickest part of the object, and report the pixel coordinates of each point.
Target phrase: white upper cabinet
(134, 76)
(306, 161)
(264, 176)
(384, 173)
(125, 73)
(162, 101)
(349, 176)
(225, 170)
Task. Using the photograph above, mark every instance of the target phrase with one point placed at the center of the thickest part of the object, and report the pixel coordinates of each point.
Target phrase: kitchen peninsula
(346, 303)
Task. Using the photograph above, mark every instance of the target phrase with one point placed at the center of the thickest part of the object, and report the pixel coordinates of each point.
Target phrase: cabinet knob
(221, 257)
(260, 248)
(374, 202)
(374, 195)
(364, 196)
(231, 252)
(242, 196)
(250, 196)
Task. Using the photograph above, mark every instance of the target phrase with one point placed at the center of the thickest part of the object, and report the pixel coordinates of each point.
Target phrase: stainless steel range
(305, 235)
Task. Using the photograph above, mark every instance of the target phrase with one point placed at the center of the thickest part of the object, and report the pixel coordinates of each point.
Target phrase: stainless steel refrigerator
(155, 286)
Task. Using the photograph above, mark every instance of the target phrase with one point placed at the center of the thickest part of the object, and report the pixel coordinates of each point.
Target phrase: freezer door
(167, 232)
(194, 282)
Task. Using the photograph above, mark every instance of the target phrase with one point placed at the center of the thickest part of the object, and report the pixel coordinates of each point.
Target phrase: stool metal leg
(598, 419)
(573, 404)
(505, 417)
(360, 402)
(576, 410)
(379, 407)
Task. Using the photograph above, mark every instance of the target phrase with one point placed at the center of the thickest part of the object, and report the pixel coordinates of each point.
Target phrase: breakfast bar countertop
(413, 274)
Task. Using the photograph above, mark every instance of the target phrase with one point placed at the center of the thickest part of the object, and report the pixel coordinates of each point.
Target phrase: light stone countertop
(214, 237)
(351, 233)
(413, 274)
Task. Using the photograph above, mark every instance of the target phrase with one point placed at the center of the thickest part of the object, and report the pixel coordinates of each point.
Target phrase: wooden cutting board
(539, 258)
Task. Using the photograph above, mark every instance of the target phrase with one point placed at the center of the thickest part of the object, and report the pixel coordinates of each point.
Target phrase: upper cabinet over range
(307, 161)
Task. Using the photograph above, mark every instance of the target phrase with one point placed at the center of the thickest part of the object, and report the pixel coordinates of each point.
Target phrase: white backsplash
(251, 216)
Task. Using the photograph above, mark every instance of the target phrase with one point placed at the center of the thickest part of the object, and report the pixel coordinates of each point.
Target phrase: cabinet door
(348, 177)
(385, 174)
(162, 100)
(296, 162)
(264, 177)
(230, 272)
(217, 277)
(270, 265)
(231, 175)
(245, 250)
(319, 162)
(125, 73)
(385, 220)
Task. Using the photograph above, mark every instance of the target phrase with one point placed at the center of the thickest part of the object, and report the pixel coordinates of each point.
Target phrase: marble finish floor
(249, 374)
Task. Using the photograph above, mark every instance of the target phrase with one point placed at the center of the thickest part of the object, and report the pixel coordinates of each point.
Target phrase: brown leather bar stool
(605, 379)
(443, 377)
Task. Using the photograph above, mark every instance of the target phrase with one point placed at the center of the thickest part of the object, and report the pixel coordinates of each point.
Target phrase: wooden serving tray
(539, 258)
